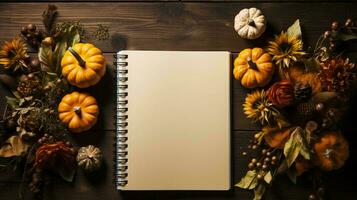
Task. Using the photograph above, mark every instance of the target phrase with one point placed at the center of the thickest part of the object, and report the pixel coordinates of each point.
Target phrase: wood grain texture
(180, 26)
(177, 25)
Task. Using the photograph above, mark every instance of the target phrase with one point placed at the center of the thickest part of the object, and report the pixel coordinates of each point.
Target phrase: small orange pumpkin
(253, 67)
(331, 151)
(83, 65)
(79, 111)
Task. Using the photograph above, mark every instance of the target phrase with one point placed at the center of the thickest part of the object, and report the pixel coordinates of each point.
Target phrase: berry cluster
(32, 35)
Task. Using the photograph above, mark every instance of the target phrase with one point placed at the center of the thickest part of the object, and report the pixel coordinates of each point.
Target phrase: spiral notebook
(173, 120)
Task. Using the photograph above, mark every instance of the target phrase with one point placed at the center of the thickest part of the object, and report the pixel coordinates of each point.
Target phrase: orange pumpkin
(83, 65)
(79, 111)
(253, 67)
(331, 151)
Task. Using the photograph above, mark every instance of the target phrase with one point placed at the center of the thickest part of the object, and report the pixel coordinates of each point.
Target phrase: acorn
(260, 177)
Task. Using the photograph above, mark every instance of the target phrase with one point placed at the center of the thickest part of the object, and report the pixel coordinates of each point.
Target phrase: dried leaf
(294, 30)
(12, 102)
(268, 177)
(45, 55)
(66, 172)
(322, 97)
(249, 181)
(259, 192)
(304, 151)
(292, 146)
(59, 51)
(49, 17)
(13, 147)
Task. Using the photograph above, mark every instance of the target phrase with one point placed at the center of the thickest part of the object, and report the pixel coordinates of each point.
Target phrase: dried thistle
(49, 17)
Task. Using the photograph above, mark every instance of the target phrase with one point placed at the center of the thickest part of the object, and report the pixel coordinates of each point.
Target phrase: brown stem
(77, 110)
(252, 64)
(251, 22)
(82, 63)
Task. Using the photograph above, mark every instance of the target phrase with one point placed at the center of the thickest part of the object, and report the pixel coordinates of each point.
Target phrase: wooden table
(179, 25)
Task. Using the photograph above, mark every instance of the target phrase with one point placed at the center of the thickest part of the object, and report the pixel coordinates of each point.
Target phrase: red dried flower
(281, 93)
(49, 155)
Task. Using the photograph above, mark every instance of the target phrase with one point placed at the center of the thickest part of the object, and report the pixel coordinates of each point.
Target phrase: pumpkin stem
(82, 63)
(251, 64)
(251, 22)
(77, 110)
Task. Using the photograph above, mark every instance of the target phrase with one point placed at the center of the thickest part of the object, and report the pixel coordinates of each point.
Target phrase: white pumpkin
(250, 23)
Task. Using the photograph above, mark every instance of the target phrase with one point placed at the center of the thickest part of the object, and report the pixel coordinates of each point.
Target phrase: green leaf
(259, 192)
(249, 181)
(292, 146)
(45, 55)
(322, 97)
(60, 49)
(268, 177)
(76, 38)
(304, 151)
(294, 30)
(12, 102)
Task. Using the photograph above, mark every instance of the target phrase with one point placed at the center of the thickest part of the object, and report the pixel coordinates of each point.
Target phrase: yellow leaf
(13, 147)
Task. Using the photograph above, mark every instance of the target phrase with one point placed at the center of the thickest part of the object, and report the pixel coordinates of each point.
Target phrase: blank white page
(178, 120)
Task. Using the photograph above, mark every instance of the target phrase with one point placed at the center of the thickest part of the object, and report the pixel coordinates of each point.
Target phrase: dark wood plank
(101, 185)
(178, 25)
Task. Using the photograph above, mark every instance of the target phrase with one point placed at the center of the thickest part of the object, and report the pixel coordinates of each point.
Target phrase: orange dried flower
(281, 93)
(331, 151)
(49, 155)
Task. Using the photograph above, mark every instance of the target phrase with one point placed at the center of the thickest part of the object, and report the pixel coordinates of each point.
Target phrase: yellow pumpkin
(83, 65)
(79, 111)
(253, 67)
(331, 151)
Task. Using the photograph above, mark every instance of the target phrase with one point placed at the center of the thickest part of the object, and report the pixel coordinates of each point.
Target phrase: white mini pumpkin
(250, 23)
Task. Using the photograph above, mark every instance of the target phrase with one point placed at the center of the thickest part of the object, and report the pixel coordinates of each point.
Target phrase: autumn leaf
(268, 177)
(292, 146)
(259, 192)
(294, 30)
(13, 147)
(249, 181)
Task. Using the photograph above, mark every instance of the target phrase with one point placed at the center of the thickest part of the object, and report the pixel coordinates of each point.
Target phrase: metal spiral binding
(121, 121)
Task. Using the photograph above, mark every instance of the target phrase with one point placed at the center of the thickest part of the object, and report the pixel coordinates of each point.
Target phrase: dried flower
(49, 17)
(258, 107)
(310, 79)
(337, 75)
(285, 49)
(281, 93)
(49, 155)
(13, 55)
(331, 151)
(29, 86)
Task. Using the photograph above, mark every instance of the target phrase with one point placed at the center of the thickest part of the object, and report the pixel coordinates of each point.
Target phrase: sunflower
(13, 54)
(285, 49)
(258, 107)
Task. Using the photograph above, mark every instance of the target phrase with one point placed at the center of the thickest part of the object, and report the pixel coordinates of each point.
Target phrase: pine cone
(29, 86)
(305, 110)
(302, 92)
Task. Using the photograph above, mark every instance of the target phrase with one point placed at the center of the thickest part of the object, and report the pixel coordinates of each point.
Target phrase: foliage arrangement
(35, 130)
(300, 109)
